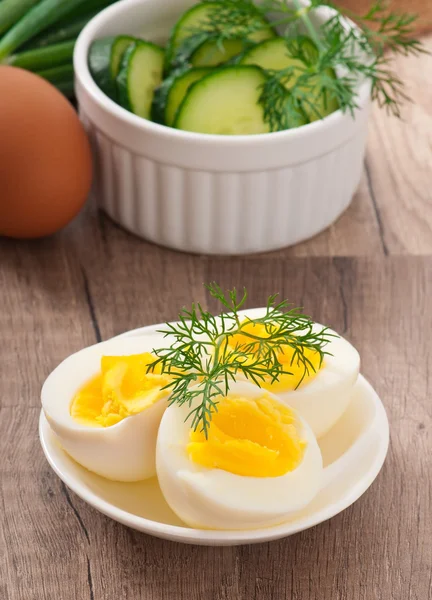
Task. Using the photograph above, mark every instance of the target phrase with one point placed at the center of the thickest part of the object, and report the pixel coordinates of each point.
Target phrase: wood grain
(44, 315)
(399, 166)
(381, 547)
(369, 276)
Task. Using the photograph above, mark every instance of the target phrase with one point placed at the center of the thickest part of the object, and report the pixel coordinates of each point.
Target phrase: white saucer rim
(212, 537)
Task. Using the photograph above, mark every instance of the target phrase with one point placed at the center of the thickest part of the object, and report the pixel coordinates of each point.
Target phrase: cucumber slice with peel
(104, 61)
(209, 54)
(179, 89)
(140, 73)
(161, 94)
(274, 55)
(225, 102)
(201, 51)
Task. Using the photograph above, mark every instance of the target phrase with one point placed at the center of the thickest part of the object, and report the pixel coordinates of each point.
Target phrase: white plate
(353, 452)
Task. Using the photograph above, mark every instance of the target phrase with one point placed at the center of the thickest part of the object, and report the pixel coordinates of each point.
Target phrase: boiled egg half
(105, 408)
(321, 395)
(259, 464)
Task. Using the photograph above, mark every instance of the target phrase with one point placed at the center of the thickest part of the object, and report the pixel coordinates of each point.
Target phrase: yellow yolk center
(250, 437)
(122, 388)
(294, 375)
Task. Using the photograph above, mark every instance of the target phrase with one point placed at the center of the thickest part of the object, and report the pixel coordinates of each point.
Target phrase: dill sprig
(202, 359)
(392, 31)
(354, 54)
(234, 19)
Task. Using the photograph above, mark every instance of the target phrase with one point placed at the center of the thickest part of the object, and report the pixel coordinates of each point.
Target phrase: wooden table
(369, 277)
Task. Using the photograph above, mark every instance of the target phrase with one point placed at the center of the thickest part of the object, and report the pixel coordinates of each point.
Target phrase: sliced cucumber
(209, 54)
(186, 26)
(104, 61)
(225, 102)
(179, 89)
(161, 94)
(203, 52)
(140, 73)
(274, 54)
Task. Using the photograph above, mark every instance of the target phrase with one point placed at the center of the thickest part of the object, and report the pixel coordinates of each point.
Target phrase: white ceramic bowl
(206, 193)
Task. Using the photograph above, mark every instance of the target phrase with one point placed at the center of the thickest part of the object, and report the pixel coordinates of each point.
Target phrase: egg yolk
(249, 437)
(122, 388)
(294, 375)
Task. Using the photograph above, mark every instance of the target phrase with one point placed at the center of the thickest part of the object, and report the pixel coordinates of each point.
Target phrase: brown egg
(45, 159)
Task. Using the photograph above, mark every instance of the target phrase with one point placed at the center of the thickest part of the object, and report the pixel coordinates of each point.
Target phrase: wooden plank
(58, 547)
(43, 551)
(399, 163)
(44, 314)
(133, 283)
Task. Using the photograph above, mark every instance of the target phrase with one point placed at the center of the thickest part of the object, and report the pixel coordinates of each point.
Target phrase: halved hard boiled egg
(321, 395)
(259, 464)
(105, 408)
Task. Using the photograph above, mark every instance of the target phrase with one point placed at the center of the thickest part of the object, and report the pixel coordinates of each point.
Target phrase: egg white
(217, 499)
(123, 452)
(322, 400)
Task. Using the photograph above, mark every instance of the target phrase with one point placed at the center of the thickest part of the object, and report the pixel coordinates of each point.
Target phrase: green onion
(38, 18)
(59, 34)
(43, 58)
(12, 10)
(69, 28)
(58, 74)
(84, 9)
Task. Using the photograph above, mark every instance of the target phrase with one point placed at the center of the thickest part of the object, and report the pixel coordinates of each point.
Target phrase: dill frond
(202, 363)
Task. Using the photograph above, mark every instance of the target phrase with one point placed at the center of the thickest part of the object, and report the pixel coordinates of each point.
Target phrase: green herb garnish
(202, 362)
(354, 54)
